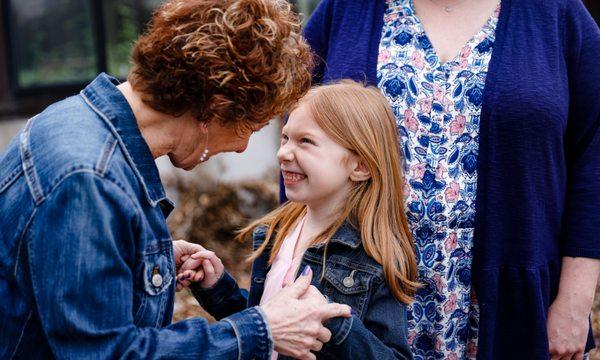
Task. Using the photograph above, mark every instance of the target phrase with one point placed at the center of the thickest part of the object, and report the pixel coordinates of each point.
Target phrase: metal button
(157, 278)
(349, 280)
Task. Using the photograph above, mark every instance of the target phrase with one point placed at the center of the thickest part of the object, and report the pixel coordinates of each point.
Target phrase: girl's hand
(568, 327)
(203, 267)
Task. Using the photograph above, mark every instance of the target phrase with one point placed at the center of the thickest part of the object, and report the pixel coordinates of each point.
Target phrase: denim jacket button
(157, 280)
(349, 280)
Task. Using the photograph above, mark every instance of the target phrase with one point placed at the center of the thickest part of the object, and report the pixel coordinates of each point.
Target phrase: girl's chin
(295, 197)
(292, 196)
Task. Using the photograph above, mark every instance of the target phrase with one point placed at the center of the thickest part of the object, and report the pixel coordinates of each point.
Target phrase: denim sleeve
(381, 335)
(80, 248)
(223, 299)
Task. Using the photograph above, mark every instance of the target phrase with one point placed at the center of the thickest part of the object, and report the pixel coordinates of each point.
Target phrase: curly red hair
(240, 62)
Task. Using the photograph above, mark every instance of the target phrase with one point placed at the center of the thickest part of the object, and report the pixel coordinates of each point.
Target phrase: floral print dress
(437, 107)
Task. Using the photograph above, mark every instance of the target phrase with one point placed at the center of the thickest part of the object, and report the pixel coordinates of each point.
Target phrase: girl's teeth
(294, 177)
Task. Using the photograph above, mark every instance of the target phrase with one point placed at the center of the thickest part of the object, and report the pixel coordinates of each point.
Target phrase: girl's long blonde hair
(360, 119)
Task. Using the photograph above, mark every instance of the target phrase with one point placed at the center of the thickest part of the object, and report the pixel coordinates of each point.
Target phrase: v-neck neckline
(432, 50)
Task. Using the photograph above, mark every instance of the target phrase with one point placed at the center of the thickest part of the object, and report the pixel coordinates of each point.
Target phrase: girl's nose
(285, 153)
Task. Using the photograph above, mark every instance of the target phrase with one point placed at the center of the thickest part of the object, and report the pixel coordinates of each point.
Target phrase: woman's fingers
(324, 335)
(309, 356)
(316, 346)
(332, 310)
(565, 355)
(183, 249)
(216, 263)
(190, 264)
(202, 266)
(208, 255)
(199, 276)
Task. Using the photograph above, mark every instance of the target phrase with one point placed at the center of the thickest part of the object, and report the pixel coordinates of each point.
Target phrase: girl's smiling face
(316, 170)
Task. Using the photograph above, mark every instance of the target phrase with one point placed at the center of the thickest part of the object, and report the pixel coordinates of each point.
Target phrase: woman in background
(497, 110)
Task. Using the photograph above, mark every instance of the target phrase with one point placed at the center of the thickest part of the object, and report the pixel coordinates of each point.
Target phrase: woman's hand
(296, 316)
(182, 250)
(568, 327)
(568, 316)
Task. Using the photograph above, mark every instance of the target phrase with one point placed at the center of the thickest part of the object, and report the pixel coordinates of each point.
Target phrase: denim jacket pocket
(157, 277)
(157, 273)
(345, 285)
(349, 286)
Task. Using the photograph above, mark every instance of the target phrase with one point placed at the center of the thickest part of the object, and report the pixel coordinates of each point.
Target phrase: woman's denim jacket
(86, 259)
(377, 330)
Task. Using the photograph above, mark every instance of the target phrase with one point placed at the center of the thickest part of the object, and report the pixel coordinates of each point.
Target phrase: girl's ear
(360, 172)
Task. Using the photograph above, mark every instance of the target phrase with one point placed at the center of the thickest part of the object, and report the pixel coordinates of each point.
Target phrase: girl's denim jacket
(377, 330)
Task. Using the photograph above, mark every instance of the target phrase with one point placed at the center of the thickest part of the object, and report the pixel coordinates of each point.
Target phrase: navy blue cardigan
(538, 188)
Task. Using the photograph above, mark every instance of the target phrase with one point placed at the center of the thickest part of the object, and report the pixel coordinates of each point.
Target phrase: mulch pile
(210, 215)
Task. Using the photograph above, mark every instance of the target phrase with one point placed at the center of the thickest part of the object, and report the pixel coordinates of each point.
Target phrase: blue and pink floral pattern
(437, 107)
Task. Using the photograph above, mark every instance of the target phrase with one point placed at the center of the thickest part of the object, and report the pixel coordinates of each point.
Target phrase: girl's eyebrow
(302, 133)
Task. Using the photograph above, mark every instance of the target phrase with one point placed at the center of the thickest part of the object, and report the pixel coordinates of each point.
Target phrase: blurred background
(50, 49)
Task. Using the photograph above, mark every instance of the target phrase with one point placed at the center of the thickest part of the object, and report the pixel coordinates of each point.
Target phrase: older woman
(87, 266)
(498, 114)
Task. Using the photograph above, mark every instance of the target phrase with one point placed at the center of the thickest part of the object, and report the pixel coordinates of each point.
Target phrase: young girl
(340, 161)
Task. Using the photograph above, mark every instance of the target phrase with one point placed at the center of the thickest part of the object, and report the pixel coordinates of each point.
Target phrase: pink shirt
(284, 267)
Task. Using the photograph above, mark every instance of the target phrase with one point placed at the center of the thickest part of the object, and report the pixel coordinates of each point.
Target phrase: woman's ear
(360, 172)
(203, 127)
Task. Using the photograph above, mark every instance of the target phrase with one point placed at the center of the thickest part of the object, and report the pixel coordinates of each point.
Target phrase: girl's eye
(284, 138)
(307, 141)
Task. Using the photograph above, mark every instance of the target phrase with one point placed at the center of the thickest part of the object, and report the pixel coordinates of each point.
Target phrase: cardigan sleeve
(581, 234)
(317, 32)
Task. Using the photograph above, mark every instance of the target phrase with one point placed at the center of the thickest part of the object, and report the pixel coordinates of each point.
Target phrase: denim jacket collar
(346, 235)
(109, 103)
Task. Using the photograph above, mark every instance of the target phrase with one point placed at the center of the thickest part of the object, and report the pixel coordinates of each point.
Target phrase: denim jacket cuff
(253, 334)
(340, 328)
(215, 294)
